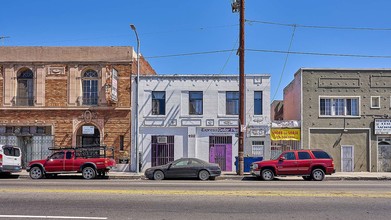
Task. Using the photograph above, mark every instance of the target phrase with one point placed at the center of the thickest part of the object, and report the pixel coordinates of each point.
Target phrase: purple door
(220, 152)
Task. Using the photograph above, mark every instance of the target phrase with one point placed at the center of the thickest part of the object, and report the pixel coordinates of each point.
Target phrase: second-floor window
(25, 92)
(339, 106)
(90, 88)
(195, 103)
(258, 103)
(158, 103)
(232, 103)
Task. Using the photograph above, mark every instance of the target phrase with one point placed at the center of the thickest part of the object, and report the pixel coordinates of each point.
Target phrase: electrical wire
(275, 51)
(286, 60)
(320, 27)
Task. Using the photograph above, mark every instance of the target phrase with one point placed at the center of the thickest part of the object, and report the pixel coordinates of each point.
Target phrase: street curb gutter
(229, 177)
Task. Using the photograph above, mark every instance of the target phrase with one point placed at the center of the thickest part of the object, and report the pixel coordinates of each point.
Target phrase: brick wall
(116, 124)
(56, 92)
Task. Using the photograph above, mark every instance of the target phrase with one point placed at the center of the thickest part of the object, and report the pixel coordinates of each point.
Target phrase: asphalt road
(189, 199)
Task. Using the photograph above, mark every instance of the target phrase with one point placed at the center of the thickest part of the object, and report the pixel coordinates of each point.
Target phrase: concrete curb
(224, 177)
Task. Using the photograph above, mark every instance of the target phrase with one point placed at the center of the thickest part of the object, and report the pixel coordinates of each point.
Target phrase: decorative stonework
(56, 71)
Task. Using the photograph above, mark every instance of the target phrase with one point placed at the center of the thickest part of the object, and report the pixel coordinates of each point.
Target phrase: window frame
(158, 101)
(88, 97)
(332, 106)
(25, 97)
(261, 103)
(195, 102)
(234, 101)
(372, 102)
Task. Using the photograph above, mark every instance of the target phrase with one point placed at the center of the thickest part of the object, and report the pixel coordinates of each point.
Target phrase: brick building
(63, 96)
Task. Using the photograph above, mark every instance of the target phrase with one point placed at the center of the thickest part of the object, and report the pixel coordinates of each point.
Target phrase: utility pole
(238, 6)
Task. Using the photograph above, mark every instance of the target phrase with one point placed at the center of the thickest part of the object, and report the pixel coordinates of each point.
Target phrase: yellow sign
(285, 134)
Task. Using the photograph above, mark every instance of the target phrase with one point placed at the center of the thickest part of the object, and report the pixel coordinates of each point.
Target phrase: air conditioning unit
(162, 140)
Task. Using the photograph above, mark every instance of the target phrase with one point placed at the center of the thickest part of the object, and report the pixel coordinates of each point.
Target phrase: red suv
(310, 164)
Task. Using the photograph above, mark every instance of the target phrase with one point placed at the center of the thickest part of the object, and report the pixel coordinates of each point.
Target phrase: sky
(201, 37)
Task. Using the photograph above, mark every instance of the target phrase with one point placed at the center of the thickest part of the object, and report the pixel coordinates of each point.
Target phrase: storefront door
(384, 157)
(347, 159)
(220, 151)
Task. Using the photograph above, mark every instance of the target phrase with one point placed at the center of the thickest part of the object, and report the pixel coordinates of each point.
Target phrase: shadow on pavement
(8, 176)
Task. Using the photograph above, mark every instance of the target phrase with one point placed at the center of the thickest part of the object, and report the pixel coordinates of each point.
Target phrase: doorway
(220, 151)
(347, 158)
(88, 135)
(384, 155)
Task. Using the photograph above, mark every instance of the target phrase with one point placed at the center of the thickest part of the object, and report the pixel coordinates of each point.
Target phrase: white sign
(114, 85)
(88, 129)
(382, 126)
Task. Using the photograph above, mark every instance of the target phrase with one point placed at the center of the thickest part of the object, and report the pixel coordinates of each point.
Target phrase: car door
(69, 161)
(55, 163)
(179, 169)
(287, 164)
(304, 163)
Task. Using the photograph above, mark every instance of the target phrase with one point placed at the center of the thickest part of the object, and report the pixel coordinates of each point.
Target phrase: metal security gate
(220, 151)
(162, 150)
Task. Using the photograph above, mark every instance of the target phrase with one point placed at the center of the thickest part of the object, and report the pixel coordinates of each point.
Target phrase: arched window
(25, 91)
(90, 88)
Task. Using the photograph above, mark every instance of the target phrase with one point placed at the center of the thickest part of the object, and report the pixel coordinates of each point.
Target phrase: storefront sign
(219, 131)
(382, 126)
(88, 129)
(285, 134)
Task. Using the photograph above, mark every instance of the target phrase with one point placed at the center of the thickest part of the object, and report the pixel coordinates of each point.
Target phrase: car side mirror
(48, 158)
(282, 158)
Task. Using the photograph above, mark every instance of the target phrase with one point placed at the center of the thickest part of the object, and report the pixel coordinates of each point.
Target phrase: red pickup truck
(90, 161)
(310, 164)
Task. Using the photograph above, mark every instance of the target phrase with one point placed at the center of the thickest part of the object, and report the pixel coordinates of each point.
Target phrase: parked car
(310, 164)
(184, 168)
(10, 159)
(90, 161)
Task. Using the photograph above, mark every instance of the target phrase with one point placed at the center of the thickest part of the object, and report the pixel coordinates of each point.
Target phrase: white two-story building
(197, 116)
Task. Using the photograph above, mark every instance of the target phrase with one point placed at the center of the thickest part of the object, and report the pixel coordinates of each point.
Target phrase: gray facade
(338, 109)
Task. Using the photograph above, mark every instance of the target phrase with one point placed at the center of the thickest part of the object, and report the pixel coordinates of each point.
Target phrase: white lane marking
(48, 216)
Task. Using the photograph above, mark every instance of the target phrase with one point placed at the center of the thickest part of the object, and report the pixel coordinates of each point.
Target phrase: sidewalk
(247, 176)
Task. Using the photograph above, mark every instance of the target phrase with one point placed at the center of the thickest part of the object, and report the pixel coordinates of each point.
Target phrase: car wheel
(267, 174)
(158, 175)
(89, 173)
(318, 174)
(36, 173)
(203, 175)
(307, 178)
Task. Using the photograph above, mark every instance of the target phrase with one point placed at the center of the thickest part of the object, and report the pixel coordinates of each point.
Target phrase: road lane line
(48, 216)
(265, 193)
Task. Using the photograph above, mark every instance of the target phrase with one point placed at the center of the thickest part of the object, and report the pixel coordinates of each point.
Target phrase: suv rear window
(321, 155)
(11, 151)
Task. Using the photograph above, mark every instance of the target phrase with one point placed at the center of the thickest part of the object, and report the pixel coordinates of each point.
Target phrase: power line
(274, 51)
(321, 27)
(286, 60)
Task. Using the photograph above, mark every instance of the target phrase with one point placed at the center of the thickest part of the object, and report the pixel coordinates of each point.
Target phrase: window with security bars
(162, 150)
(90, 88)
(257, 148)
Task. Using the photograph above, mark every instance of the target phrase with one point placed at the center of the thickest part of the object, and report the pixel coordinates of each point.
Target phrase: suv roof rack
(77, 147)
